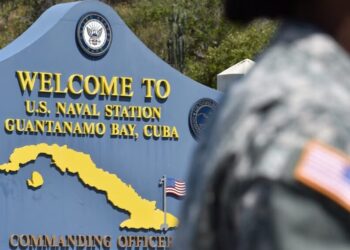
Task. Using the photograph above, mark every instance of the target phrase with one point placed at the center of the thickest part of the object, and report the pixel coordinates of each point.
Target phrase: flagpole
(165, 225)
(165, 207)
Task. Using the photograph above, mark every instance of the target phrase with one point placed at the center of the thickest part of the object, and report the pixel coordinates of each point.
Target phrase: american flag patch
(326, 170)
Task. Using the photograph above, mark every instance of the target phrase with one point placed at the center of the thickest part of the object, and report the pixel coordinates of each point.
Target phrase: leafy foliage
(190, 35)
(239, 44)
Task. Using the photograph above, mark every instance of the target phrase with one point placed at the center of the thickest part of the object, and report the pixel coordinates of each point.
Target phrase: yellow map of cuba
(143, 213)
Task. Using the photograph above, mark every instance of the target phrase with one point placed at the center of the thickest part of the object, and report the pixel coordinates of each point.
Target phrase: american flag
(327, 171)
(176, 187)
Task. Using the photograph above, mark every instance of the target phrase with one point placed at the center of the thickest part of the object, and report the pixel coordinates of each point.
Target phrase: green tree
(239, 44)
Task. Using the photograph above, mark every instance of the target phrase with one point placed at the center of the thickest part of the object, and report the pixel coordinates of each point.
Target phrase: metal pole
(164, 197)
(165, 225)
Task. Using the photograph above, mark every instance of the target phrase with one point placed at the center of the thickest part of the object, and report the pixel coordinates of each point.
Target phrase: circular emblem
(94, 34)
(199, 115)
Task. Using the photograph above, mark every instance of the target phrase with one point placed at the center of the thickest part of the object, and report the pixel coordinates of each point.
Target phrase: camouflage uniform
(244, 193)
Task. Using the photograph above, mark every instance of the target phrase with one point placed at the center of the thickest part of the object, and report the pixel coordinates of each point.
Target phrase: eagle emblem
(94, 33)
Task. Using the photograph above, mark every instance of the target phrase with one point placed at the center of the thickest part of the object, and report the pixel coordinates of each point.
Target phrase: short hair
(247, 10)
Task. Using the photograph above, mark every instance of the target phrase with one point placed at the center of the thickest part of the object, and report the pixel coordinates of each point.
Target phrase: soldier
(274, 170)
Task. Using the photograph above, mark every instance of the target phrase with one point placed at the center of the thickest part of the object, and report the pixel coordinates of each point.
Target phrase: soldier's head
(331, 15)
(246, 10)
(311, 10)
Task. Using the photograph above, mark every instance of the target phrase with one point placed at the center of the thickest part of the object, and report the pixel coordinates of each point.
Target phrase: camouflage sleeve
(245, 194)
(271, 207)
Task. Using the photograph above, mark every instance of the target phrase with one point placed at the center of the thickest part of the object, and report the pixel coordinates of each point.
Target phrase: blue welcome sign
(95, 138)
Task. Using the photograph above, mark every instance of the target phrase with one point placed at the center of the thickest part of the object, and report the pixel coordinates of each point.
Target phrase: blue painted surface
(63, 205)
